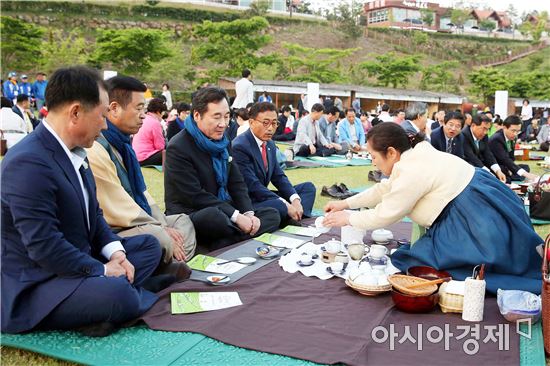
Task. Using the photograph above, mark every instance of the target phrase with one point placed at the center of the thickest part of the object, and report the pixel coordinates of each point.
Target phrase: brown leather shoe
(180, 270)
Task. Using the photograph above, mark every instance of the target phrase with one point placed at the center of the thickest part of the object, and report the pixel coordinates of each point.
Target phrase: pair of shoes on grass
(338, 191)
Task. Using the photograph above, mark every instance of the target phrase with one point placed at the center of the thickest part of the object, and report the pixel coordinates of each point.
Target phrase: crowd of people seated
(91, 226)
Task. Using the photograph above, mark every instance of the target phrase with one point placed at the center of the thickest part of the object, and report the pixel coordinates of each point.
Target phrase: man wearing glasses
(255, 154)
(202, 179)
(502, 146)
(447, 138)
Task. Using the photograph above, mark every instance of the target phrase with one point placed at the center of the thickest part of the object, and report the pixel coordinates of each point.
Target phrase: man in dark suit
(22, 109)
(202, 180)
(502, 146)
(62, 266)
(439, 120)
(448, 137)
(476, 146)
(255, 155)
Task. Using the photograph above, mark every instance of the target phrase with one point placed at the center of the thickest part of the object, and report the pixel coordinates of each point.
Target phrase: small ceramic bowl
(217, 280)
(382, 236)
(266, 252)
(414, 304)
(426, 272)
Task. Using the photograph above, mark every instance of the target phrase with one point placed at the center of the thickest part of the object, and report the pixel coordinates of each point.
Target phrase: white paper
(227, 268)
(219, 300)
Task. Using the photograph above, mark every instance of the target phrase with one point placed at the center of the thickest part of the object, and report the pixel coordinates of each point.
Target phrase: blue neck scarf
(121, 142)
(217, 149)
(180, 123)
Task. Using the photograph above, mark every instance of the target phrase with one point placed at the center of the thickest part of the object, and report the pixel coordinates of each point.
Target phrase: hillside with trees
(160, 44)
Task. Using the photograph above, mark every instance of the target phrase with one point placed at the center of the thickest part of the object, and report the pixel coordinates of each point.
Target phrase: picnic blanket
(327, 322)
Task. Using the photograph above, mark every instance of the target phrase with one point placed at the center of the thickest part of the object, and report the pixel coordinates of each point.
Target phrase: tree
(345, 18)
(257, 8)
(459, 17)
(314, 65)
(65, 49)
(427, 16)
(21, 44)
(175, 68)
(232, 45)
(440, 77)
(392, 70)
(486, 80)
(488, 25)
(304, 7)
(132, 50)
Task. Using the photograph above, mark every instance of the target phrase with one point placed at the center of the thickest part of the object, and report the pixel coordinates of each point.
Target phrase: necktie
(450, 145)
(477, 144)
(264, 154)
(314, 139)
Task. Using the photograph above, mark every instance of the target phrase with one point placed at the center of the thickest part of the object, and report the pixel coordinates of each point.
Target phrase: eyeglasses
(267, 123)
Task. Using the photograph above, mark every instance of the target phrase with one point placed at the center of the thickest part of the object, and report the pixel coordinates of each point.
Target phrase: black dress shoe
(331, 191)
(158, 283)
(102, 329)
(180, 270)
(342, 188)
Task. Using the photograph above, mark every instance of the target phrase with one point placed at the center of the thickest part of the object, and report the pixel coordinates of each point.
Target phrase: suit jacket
(478, 157)
(439, 141)
(306, 134)
(249, 160)
(47, 247)
(345, 135)
(544, 133)
(34, 121)
(408, 127)
(190, 183)
(503, 155)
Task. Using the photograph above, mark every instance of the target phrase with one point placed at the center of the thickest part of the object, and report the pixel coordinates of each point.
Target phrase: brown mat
(327, 322)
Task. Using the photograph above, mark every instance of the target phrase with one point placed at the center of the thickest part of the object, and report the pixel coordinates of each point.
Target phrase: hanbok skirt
(486, 223)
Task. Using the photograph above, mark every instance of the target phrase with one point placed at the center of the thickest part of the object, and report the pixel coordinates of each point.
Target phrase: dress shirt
(522, 171)
(295, 195)
(495, 167)
(77, 157)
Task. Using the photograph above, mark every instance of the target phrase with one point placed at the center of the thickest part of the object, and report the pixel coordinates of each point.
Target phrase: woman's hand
(336, 219)
(335, 206)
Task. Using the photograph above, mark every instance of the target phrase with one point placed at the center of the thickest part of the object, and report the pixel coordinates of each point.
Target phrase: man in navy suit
(448, 138)
(476, 146)
(62, 266)
(255, 154)
(502, 146)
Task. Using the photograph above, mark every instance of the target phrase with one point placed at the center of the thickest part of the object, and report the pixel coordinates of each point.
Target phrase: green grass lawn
(351, 176)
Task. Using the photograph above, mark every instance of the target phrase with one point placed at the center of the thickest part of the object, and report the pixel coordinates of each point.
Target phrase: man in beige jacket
(127, 206)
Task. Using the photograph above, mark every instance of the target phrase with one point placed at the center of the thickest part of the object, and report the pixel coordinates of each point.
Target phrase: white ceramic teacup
(336, 267)
(382, 235)
(333, 246)
(306, 258)
(356, 251)
(378, 251)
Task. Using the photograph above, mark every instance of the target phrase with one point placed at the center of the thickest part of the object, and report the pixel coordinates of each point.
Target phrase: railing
(486, 61)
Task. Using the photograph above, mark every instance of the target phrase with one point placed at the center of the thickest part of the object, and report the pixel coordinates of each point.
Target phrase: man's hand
(178, 243)
(335, 206)
(312, 149)
(501, 176)
(255, 225)
(295, 209)
(531, 177)
(244, 223)
(119, 265)
(336, 146)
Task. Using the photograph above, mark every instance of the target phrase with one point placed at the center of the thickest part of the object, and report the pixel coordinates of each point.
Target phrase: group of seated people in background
(98, 231)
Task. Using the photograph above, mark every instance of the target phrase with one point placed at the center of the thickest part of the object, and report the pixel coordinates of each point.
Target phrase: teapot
(382, 235)
(333, 246)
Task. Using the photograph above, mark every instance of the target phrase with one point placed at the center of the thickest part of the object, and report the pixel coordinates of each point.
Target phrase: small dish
(302, 264)
(376, 261)
(319, 225)
(218, 280)
(329, 270)
(266, 252)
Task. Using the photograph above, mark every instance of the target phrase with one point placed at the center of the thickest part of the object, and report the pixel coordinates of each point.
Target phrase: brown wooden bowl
(427, 272)
(414, 304)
